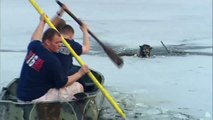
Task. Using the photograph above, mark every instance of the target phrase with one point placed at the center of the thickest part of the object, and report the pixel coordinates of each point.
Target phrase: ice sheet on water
(134, 23)
(139, 111)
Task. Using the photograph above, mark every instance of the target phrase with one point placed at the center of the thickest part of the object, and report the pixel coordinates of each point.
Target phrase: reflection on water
(139, 111)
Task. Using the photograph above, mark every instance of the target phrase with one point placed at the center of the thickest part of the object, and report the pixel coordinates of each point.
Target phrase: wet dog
(145, 50)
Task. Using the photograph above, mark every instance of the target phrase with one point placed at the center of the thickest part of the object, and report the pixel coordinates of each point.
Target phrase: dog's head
(145, 50)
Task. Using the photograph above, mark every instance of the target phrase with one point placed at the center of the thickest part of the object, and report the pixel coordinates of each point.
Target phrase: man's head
(61, 23)
(67, 31)
(52, 40)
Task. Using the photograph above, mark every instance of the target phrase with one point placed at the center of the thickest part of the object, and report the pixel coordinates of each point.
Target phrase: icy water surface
(166, 86)
(140, 111)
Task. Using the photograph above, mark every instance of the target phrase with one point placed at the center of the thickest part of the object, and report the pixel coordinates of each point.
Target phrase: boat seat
(80, 96)
(90, 87)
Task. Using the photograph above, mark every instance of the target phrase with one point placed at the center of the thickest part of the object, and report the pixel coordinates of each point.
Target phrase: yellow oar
(81, 62)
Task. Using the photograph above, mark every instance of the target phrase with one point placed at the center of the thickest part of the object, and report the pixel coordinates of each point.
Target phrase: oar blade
(113, 56)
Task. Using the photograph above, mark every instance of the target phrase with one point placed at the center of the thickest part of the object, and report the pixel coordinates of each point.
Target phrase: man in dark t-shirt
(42, 77)
(64, 54)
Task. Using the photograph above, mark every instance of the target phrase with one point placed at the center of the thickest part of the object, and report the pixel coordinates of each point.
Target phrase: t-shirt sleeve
(34, 44)
(59, 78)
(77, 47)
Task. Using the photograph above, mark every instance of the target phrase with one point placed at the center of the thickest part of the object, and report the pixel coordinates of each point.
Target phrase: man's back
(41, 71)
(65, 57)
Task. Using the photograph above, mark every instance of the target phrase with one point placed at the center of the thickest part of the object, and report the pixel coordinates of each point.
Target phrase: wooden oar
(81, 62)
(109, 51)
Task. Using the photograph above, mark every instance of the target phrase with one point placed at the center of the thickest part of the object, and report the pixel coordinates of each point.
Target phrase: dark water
(173, 50)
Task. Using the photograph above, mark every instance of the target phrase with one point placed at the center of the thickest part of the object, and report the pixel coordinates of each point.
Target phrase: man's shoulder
(72, 41)
(34, 43)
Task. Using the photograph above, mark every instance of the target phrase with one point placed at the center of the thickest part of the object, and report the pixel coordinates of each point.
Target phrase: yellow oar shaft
(81, 62)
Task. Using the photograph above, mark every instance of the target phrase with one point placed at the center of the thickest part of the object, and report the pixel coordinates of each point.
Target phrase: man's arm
(77, 75)
(37, 35)
(57, 18)
(86, 40)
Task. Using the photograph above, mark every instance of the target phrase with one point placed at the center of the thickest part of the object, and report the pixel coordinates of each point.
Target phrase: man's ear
(47, 42)
(71, 36)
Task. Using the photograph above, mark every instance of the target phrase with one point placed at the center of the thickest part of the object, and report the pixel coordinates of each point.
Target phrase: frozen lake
(161, 87)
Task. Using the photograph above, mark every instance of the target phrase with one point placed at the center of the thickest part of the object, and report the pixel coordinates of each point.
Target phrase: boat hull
(86, 108)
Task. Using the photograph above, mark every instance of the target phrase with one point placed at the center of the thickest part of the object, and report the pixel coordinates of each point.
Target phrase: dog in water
(145, 50)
